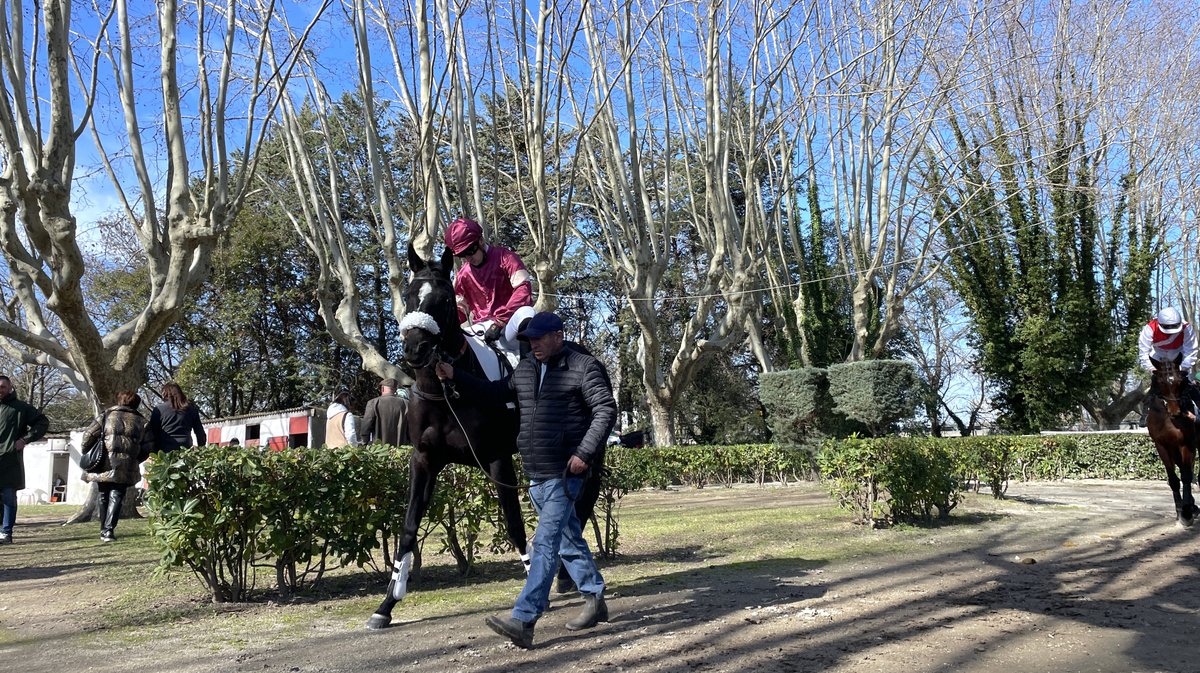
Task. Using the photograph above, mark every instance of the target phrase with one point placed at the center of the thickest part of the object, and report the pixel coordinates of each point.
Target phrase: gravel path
(1063, 577)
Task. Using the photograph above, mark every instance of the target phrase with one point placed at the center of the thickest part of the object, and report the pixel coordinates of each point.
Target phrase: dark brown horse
(1173, 429)
(445, 430)
(442, 430)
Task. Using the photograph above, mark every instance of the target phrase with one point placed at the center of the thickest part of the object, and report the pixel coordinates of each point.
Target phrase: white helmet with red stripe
(1169, 321)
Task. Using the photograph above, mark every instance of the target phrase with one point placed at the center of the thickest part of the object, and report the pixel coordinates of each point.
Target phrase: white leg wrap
(400, 576)
(526, 561)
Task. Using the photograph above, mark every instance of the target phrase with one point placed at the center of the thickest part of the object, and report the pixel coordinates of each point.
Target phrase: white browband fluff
(421, 320)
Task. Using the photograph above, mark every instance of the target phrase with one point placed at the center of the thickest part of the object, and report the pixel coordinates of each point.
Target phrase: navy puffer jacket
(570, 413)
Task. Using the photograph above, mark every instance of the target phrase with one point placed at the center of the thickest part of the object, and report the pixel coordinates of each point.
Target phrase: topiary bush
(876, 393)
(796, 401)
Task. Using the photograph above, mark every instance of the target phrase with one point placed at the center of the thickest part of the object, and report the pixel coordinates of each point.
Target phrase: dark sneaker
(595, 610)
(519, 632)
(108, 537)
(5, 538)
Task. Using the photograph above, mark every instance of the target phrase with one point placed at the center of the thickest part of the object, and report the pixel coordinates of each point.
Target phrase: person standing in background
(20, 424)
(341, 428)
(384, 419)
(128, 441)
(174, 420)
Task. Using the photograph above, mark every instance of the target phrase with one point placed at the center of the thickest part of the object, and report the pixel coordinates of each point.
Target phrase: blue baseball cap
(539, 325)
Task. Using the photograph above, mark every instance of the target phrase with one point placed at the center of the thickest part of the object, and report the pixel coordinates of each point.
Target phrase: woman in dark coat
(127, 442)
(175, 420)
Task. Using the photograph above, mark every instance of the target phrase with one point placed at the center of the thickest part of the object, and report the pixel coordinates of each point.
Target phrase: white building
(52, 471)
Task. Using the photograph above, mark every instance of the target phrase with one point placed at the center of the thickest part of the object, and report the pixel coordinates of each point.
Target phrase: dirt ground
(1065, 577)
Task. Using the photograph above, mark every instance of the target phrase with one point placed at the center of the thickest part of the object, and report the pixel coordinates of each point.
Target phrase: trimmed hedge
(225, 513)
(806, 405)
(876, 393)
(222, 512)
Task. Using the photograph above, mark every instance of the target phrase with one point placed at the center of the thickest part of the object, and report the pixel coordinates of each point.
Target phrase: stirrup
(400, 576)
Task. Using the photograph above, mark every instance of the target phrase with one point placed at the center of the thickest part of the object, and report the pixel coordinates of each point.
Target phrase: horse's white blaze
(425, 291)
(400, 576)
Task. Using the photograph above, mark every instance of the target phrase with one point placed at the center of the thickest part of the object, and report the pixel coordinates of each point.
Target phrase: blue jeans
(9, 497)
(558, 536)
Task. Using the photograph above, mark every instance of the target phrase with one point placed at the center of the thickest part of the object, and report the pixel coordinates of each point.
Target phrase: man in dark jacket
(567, 410)
(385, 416)
(20, 424)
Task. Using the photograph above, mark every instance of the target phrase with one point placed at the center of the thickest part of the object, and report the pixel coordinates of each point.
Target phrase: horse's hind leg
(422, 479)
(1173, 480)
(505, 477)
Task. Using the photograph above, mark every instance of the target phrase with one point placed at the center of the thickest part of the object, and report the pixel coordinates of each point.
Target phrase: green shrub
(875, 393)
(891, 479)
(908, 478)
(796, 400)
(851, 469)
(207, 514)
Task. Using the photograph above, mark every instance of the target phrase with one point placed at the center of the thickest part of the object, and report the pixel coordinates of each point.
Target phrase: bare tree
(180, 179)
(674, 128)
(879, 98)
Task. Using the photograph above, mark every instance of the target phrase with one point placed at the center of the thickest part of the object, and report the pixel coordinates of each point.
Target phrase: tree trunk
(660, 422)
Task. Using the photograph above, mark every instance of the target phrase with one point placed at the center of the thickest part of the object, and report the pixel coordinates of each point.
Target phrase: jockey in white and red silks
(1164, 338)
(492, 284)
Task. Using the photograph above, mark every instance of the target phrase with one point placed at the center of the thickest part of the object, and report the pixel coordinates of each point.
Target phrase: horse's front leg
(1188, 511)
(422, 479)
(504, 475)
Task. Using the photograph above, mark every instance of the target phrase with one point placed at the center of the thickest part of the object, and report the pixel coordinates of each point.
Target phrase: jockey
(491, 286)
(1164, 338)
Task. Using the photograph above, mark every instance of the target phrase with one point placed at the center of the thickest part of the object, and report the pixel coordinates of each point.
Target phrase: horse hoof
(378, 621)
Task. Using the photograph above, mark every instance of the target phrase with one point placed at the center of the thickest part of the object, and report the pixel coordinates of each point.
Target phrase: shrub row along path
(1062, 577)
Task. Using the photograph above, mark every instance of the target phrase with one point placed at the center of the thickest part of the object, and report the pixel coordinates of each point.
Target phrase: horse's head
(1169, 382)
(432, 312)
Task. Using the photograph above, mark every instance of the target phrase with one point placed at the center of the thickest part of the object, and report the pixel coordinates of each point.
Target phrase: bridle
(436, 354)
(1169, 377)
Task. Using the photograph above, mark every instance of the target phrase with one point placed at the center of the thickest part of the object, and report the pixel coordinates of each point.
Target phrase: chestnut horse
(1173, 430)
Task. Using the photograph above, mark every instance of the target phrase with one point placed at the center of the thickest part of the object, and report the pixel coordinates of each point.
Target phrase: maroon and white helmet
(462, 234)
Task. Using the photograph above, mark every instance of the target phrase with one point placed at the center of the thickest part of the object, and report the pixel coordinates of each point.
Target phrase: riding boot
(595, 610)
(114, 513)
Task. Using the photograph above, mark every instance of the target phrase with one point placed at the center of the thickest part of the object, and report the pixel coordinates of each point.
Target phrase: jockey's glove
(493, 333)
